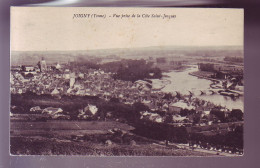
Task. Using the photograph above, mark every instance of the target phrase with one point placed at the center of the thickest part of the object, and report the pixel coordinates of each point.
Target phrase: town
(152, 105)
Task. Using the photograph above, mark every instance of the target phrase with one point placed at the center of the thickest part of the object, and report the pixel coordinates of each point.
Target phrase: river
(182, 82)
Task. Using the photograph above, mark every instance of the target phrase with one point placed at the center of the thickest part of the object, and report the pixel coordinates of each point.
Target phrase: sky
(54, 29)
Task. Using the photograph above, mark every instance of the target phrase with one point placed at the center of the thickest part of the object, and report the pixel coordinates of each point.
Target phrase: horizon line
(132, 48)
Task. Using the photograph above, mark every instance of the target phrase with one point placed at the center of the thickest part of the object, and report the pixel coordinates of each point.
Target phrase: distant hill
(51, 57)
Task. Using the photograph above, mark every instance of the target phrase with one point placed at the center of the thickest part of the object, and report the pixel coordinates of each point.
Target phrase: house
(205, 113)
(66, 74)
(55, 92)
(69, 91)
(178, 106)
(78, 85)
(87, 112)
(58, 66)
(80, 92)
(81, 75)
(178, 118)
(35, 109)
(151, 116)
(72, 82)
(20, 91)
(156, 118)
(28, 68)
(91, 108)
(51, 110)
(165, 107)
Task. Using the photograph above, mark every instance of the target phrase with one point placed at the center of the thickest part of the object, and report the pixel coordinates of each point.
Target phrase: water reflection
(182, 82)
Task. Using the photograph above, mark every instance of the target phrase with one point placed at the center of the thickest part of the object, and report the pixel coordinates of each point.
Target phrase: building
(52, 110)
(88, 111)
(42, 65)
(178, 106)
(72, 79)
(66, 74)
(55, 92)
(58, 66)
(26, 69)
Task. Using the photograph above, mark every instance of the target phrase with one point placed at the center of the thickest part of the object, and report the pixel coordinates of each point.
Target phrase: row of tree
(135, 70)
(125, 69)
(231, 140)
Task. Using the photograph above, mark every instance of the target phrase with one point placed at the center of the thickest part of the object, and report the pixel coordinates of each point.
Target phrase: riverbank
(159, 84)
(204, 75)
(196, 81)
(207, 75)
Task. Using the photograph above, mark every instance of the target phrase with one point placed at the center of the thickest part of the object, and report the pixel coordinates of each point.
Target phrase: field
(69, 125)
(28, 146)
(93, 138)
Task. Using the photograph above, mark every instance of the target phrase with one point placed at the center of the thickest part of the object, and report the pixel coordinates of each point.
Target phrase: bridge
(231, 93)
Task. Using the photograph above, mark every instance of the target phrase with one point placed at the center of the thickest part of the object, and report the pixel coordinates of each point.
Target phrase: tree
(133, 70)
(168, 96)
(196, 118)
(186, 112)
(157, 72)
(140, 107)
(114, 100)
(219, 114)
(237, 113)
(168, 119)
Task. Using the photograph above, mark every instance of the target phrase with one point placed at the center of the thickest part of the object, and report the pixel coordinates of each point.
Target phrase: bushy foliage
(238, 114)
(233, 139)
(134, 70)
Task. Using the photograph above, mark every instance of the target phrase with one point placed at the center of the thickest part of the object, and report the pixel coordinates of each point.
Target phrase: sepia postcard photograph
(127, 81)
